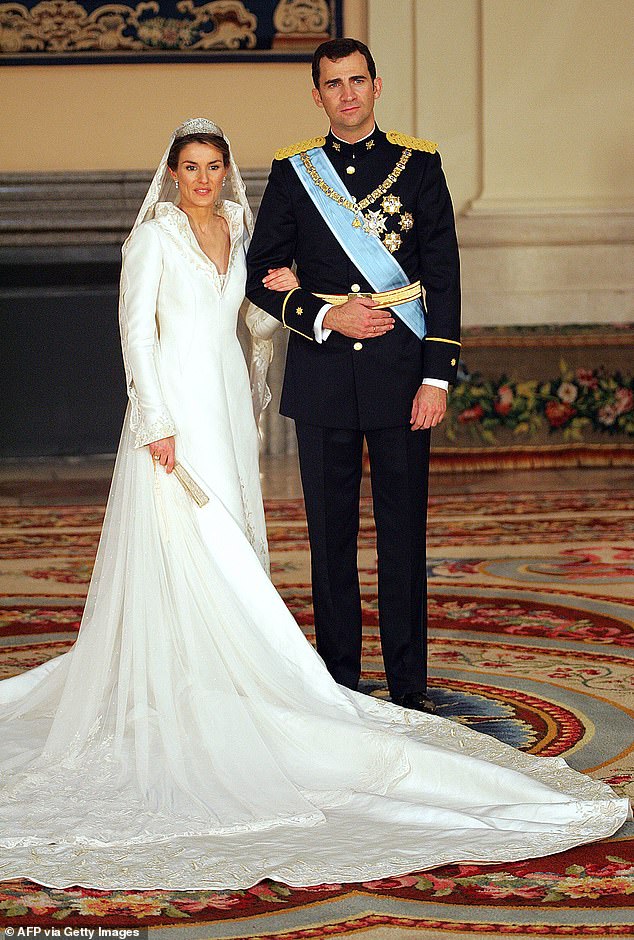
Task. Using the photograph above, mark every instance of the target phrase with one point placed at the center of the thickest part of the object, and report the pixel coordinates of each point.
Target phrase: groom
(373, 344)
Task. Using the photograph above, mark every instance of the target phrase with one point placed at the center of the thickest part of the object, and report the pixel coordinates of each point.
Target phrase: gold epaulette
(414, 143)
(301, 147)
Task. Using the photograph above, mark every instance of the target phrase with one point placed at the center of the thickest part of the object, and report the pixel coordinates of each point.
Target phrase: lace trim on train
(193, 864)
(97, 857)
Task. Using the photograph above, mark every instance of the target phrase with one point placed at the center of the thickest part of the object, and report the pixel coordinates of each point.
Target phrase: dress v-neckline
(221, 274)
(226, 209)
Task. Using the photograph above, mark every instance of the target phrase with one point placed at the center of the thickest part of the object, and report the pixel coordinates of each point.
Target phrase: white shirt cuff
(437, 383)
(318, 330)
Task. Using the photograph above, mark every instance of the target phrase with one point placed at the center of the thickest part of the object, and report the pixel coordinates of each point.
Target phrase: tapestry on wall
(50, 32)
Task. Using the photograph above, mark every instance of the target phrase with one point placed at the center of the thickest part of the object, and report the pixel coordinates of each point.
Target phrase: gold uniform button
(355, 287)
(350, 170)
(358, 346)
(453, 362)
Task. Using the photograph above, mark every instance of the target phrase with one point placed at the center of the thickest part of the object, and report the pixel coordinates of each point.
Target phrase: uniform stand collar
(335, 146)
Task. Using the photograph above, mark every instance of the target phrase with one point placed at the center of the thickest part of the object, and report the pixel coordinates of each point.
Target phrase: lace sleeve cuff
(146, 433)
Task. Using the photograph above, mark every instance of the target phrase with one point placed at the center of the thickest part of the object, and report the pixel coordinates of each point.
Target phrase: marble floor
(71, 480)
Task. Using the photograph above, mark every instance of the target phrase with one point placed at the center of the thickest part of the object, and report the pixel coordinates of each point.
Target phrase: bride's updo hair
(218, 142)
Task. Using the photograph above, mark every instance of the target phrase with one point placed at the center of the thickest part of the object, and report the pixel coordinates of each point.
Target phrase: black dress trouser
(331, 466)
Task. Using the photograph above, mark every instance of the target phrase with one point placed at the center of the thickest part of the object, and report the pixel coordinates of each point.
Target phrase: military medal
(392, 241)
(375, 223)
(391, 204)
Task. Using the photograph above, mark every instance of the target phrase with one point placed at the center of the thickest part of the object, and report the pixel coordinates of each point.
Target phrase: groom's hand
(428, 408)
(358, 320)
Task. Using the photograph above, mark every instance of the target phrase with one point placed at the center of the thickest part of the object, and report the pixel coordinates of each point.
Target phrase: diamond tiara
(199, 126)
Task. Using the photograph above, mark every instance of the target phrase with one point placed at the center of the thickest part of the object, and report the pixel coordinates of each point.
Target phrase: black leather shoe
(418, 701)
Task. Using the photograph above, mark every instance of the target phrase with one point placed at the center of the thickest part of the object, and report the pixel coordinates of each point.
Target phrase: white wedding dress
(192, 738)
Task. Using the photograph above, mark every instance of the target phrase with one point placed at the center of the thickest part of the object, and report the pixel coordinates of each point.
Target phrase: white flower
(608, 415)
(568, 392)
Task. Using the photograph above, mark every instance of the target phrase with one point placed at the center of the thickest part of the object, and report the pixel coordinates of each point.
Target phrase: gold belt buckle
(351, 296)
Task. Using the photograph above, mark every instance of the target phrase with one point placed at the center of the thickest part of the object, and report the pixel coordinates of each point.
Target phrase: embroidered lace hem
(195, 864)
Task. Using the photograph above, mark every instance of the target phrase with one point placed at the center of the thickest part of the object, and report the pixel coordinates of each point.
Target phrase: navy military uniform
(343, 390)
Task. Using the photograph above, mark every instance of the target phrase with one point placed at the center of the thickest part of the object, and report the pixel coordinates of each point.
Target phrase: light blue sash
(368, 253)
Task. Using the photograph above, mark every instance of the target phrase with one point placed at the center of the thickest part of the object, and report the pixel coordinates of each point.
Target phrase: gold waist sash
(385, 298)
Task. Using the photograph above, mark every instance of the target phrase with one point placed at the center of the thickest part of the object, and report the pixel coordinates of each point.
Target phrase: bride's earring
(176, 183)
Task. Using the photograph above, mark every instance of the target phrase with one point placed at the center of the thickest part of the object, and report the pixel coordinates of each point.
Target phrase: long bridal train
(193, 739)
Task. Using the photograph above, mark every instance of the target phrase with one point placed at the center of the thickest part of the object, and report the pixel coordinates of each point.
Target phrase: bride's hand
(280, 279)
(163, 452)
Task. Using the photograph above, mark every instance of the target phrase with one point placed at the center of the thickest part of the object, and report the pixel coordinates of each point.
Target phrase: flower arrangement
(575, 402)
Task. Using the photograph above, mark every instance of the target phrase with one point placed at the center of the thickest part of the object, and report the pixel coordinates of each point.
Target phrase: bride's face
(200, 175)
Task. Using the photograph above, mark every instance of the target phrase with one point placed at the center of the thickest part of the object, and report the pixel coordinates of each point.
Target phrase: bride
(192, 738)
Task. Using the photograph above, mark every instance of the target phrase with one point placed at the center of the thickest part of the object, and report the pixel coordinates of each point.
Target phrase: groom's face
(347, 94)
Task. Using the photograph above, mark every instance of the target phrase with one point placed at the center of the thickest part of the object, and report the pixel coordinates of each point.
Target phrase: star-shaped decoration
(369, 144)
(391, 204)
(392, 241)
(299, 311)
(374, 223)
(407, 222)
(336, 145)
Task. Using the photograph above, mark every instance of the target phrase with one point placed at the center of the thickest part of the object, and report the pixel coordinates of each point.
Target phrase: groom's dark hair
(335, 49)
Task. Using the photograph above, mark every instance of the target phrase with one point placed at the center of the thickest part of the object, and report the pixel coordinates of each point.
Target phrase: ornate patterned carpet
(532, 634)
